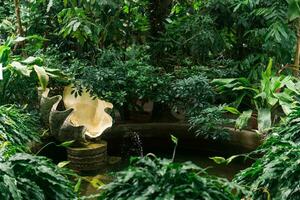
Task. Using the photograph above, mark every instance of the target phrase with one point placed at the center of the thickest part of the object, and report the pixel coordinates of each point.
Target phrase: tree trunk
(297, 54)
(158, 11)
(20, 30)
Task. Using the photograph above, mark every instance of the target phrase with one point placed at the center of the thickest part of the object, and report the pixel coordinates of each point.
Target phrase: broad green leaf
(271, 100)
(285, 96)
(268, 72)
(243, 119)
(262, 95)
(293, 9)
(32, 60)
(293, 87)
(232, 110)
(264, 120)
(286, 107)
(76, 25)
(20, 39)
(50, 4)
(11, 183)
(4, 54)
(23, 69)
(42, 76)
(276, 83)
(239, 99)
(65, 3)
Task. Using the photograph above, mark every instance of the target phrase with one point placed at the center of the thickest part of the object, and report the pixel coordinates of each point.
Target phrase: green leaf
(268, 71)
(77, 186)
(32, 60)
(63, 164)
(23, 69)
(232, 110)
(42, 76)
(76, 25)
(50, 4)
(65, 3)
(293, 9)
(218, 160)
(243, 119)
(20, 39)
(287, 107)
(264, 120)
(11, 183)
(174, 139)
(245, 88)
(4, 54)
(67, 143)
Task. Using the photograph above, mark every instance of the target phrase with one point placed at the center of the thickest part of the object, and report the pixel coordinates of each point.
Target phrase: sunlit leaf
(63, 164)
(67, 143)
(218, 160)
(23, 69)
(42, 76)
(174, 139)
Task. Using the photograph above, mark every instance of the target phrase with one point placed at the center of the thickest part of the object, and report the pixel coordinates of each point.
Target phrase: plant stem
(44, 148)
(174, 153)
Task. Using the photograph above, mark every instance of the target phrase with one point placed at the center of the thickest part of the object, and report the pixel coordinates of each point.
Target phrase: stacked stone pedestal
(91, 157)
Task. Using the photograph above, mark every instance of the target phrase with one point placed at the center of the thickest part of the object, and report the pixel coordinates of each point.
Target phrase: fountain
(81, 123)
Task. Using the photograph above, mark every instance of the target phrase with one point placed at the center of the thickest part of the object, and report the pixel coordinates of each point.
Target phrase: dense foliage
(164, 52)
(18, 127)
(25, 176)
(276, 174)
(153, 178)
(269, 97)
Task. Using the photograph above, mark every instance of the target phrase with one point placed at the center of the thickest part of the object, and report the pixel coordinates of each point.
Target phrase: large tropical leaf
(42, 76)
(20, 68)
(243, 119)
(264, 120)
(293, 9)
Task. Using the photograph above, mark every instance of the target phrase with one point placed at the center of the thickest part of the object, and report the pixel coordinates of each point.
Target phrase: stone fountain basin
(156, 137)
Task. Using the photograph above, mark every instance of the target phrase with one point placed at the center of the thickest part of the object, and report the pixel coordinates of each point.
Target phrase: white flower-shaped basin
(88, 112)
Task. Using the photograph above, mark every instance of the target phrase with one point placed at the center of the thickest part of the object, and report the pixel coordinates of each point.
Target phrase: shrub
(122, 77)
(17, 126)
(160, 179)
(276, 175)
(210, 122)
(192, 93)
(24, 176)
